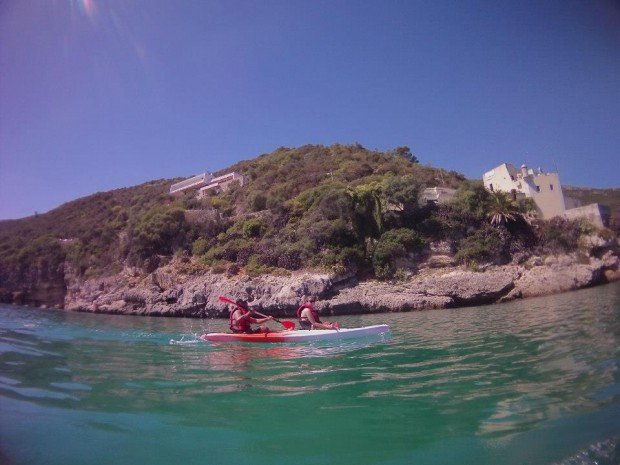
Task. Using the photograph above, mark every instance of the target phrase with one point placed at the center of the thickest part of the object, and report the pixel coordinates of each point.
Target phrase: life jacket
(243, 325)
(310, 307)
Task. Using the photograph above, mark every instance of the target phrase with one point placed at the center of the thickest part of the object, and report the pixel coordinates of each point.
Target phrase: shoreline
(182, 288)
(166, 292)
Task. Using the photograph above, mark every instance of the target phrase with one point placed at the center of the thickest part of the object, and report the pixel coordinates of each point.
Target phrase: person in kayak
(241, 319)
(309, 317)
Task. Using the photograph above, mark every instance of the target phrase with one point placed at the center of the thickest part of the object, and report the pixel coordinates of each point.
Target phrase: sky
(97, 95)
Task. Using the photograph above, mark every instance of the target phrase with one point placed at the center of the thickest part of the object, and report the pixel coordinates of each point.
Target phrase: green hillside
(343, 208)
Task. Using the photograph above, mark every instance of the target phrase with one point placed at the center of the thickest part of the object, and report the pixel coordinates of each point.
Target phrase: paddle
(286, 324)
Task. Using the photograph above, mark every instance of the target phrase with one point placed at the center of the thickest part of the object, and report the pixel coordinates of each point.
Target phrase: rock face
(436, 289)
(438, 283)
(544, 280)
(168, 293)
(41, 284)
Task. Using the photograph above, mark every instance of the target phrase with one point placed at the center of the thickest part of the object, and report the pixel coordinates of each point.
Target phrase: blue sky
(101, 94)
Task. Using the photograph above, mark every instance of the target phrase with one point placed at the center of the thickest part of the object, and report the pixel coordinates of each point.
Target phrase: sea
(534, 381)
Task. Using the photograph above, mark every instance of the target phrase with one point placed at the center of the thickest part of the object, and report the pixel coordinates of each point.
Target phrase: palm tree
(503, 209)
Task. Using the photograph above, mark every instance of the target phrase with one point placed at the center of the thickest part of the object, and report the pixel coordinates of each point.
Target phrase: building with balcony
(193, 183)
(221, 183)
(205, 183)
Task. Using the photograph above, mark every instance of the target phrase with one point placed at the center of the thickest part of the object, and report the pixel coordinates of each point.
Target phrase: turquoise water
(529, 382)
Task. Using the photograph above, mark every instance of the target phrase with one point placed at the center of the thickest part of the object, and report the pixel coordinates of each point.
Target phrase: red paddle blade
(288, 324)
(227, 300)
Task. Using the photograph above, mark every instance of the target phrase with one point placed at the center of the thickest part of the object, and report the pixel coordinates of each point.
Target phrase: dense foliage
(342, 208)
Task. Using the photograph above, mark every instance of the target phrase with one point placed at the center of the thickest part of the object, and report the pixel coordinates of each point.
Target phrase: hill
(341, 208)
(101, 230)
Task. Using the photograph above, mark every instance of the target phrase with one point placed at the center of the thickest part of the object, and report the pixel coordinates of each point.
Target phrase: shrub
(256, 201)
(159, 231)
(346, 257)
(223, 205)
(336, 233)
(559, 235)
(472, 201)
(290, 258)
(200, 246)
(335, 205)
(393, 245)
(44, 252)
(485, 245)
(235, 250)
(254, 267)
(253, 227)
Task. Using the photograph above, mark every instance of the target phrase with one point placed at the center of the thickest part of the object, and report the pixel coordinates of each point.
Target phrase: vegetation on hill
(342, 208)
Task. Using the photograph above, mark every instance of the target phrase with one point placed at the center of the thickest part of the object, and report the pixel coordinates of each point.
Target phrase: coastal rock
(40, 284)
(471, 288)
(432, 290)
(167, 292)
(594, 242)
(170, 291)
(373, 297)
(559, 276)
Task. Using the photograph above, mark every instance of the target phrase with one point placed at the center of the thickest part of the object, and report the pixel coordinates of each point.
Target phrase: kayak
(301, 335)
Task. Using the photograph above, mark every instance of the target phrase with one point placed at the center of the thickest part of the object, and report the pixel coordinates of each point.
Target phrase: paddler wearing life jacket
(241, 319)
(309, 317)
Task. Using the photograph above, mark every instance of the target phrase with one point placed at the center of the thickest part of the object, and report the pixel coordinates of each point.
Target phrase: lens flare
(88, 7)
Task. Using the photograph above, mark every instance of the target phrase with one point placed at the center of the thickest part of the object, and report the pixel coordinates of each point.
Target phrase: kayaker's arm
(250, 318)
(260, 321)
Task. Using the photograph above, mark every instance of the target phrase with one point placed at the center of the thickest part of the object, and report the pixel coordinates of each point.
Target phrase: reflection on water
(495, 375)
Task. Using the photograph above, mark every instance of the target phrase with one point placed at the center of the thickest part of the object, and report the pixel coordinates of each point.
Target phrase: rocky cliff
(41, 284)
(166, 292)
(171, 290)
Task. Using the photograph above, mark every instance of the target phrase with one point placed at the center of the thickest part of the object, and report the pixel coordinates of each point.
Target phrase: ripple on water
(606, 452)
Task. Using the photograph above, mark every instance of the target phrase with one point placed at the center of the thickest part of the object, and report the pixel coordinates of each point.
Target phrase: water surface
(534, 381)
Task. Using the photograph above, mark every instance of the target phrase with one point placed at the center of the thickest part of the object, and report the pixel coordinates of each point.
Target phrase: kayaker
(309, 317)
(241, 319)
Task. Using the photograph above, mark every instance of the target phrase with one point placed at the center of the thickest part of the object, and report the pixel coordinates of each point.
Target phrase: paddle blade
(288, 324)
(227, 300)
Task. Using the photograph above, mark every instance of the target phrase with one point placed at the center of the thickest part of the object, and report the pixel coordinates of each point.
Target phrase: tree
(471, 202)
(486, 244)
(502, 209)
(159, 231)
(392, 246)
(367, 210)
(405, 152)
(401, 194)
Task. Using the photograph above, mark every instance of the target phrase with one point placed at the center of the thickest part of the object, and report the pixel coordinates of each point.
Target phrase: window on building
(537, 188)
(550, 187)
(491, 187)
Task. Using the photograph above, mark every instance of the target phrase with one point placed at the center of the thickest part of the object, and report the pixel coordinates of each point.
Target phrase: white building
(195, 182)
(221, 183)
(546, 191)
(544, 188)
(205, 182)
(436, 195)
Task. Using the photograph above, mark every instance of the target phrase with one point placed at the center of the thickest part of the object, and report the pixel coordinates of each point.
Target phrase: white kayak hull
(299, 335)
